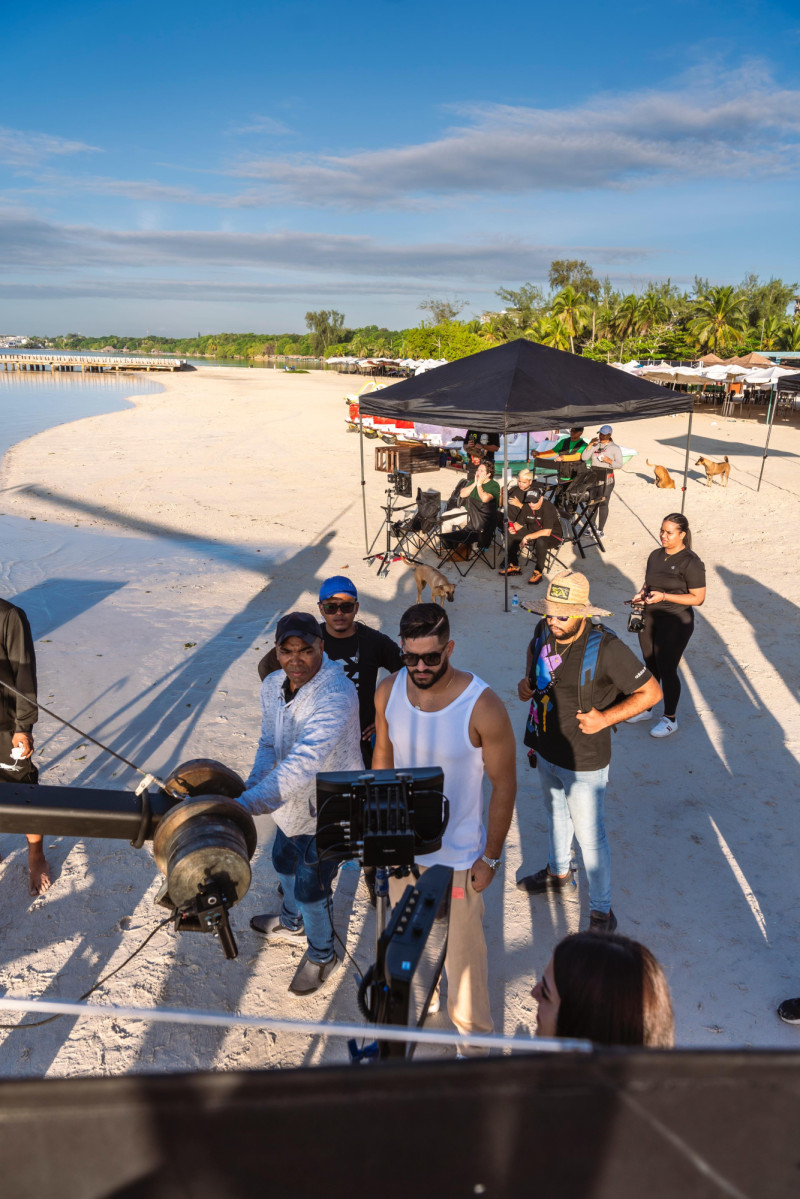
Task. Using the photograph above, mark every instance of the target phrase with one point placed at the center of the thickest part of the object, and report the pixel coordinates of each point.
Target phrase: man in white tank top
(430, 714)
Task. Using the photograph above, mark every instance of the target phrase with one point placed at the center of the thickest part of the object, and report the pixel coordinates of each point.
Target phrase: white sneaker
(646, 715)
(664, 728)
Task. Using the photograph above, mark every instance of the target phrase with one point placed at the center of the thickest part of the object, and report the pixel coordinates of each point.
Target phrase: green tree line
(578, 313)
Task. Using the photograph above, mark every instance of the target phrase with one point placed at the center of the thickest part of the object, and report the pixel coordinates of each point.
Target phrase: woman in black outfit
(674, 585)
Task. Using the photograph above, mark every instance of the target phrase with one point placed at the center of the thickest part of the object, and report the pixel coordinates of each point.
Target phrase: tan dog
(429, 576)
(714, 468)
(663, 477)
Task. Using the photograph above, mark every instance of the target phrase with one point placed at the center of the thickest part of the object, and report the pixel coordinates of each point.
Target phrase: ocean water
(30, 403)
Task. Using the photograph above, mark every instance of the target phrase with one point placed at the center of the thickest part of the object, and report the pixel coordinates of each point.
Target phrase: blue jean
(573, 800)
(306, 886)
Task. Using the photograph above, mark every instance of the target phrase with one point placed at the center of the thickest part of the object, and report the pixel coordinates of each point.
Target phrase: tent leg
(505, 504)
(363, 480)
(773, 404)
(686, 463)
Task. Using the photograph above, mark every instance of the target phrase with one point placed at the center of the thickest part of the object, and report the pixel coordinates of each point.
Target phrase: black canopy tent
(521, 386)
(789, 383)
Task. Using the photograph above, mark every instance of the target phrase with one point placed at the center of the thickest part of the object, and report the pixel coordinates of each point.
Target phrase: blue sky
(175, 168)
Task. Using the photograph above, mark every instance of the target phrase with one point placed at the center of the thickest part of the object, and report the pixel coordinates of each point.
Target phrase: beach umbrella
(521, 385)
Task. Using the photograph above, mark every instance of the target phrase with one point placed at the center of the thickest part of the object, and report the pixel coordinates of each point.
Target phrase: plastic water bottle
(515, 603)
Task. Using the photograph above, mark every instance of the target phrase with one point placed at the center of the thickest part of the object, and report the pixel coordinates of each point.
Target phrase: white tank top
(442, 739)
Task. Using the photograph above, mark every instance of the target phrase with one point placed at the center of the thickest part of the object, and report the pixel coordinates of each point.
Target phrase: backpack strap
(598, 633)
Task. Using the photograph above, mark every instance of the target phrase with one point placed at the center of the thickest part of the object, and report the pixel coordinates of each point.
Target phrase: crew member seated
(532, 521)
(480, 498)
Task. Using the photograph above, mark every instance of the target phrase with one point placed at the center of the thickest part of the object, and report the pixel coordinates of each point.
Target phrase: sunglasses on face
(432, 659)
(559, 618)
(330, 607)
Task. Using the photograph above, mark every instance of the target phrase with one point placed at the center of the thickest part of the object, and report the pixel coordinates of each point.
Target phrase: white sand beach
(242, 491)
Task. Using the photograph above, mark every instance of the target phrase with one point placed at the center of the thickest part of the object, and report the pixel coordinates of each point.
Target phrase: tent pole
(686, 462)
(505, 501)
(363, 480)
(773, 404)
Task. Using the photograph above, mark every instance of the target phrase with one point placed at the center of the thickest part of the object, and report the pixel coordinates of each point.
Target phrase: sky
(176, 168)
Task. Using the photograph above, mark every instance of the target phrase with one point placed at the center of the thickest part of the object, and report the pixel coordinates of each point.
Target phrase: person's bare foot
(38, 870)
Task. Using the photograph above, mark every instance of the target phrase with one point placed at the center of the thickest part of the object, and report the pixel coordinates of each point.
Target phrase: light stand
(399, 485)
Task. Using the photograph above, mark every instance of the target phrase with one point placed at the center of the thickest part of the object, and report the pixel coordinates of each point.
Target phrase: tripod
(392, 528)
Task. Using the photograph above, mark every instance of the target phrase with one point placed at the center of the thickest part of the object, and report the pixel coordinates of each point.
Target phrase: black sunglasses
(330, 607)
(432, 659)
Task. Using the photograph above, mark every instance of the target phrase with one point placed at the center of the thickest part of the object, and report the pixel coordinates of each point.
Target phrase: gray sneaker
(310, 976)
(270, 926)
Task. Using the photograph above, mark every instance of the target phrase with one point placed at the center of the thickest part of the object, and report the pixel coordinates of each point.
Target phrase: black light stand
(399, 486)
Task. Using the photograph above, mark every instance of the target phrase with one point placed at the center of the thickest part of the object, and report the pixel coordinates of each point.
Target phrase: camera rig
(203, 840)
(384, 818)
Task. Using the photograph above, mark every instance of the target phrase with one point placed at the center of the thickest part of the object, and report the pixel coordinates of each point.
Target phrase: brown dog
(714, 468)
(663, 477)
(429, 576)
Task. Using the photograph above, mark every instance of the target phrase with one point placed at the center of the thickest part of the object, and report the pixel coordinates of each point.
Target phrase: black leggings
(662, 641)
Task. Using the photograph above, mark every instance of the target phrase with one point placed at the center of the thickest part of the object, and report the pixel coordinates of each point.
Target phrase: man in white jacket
(309, 723)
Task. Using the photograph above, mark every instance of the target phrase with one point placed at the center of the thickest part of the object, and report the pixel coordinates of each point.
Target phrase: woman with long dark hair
(674, 585)
(606, 989)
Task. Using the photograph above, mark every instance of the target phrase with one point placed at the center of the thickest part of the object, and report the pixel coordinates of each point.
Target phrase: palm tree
(653, 310)
(550, 331)
(718, 317)
(790, 337)
(629, 316)
(570, 308)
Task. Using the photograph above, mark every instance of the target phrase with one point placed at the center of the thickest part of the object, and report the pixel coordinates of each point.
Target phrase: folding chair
(452, 551)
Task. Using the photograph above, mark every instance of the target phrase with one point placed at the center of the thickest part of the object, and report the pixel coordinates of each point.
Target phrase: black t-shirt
(361, 655)
(555, 680)
(674, 572)
(545, 517)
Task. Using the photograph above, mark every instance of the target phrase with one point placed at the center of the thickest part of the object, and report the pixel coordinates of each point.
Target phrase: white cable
(303, 1027)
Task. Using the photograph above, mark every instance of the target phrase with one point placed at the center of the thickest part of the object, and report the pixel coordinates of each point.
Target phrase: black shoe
(789, 1011)
(602, 922)
(543, 880)
(310, 976)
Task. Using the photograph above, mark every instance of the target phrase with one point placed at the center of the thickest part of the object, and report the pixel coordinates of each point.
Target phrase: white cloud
(743, 126)
(20, 149)
(27, 242)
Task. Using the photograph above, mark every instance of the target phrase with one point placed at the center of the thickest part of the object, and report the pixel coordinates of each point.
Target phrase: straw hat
(567, 595)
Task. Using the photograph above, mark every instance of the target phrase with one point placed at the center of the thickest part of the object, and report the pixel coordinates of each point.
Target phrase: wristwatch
(493, 862)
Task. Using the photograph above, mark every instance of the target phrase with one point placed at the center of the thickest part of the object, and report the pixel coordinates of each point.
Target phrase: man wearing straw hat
(580, 680)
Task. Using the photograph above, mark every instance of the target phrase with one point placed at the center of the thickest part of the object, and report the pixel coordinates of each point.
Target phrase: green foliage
(326, 327)
(523, 305)
(450, 340)
(719, 319)
(442, 311)
(573, 272)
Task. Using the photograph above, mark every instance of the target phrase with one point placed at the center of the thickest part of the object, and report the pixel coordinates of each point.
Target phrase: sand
(241, 490)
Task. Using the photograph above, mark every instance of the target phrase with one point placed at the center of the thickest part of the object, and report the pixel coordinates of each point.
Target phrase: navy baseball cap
(298, 624)
(337, 585)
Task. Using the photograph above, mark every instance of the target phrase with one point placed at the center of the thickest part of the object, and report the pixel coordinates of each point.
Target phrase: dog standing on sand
(663, 477)
(429, 576)
(715, 468)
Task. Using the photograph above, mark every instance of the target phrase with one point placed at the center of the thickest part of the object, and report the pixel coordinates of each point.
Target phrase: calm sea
(30, 403)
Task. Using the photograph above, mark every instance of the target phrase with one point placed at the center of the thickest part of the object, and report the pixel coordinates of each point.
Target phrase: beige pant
(465, 965)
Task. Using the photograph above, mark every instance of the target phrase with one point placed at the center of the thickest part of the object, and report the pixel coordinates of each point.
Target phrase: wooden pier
(85, 363)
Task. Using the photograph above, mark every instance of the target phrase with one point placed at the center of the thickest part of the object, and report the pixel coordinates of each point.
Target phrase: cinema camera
(385, 818)
(203, 840)
(400, 481)
(636, 614)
